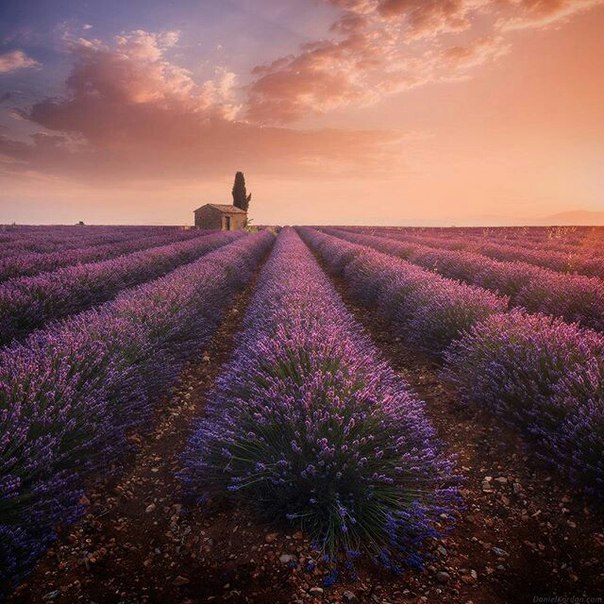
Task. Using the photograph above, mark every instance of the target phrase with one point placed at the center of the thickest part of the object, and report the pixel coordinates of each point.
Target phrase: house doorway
(227, 223)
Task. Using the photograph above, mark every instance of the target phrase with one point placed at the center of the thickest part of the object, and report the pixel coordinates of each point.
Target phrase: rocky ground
(522, 533)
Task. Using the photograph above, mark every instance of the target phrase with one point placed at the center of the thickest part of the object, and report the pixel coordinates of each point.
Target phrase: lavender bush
(33, 263)
(573, 297)
(537, 372)
(582, 256)
(29, 302)
(310, 427)
(70, 393)
(545, 377)
(17, 240)
(425, 308)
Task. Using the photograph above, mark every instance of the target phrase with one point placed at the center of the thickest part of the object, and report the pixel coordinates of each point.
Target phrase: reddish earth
(523, 533)
(523, 530)
(138, 542)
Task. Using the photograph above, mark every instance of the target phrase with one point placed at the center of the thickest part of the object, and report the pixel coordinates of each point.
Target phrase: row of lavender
(42, 239)
(535, 372)
(309, 426)
(560, 239)
(575, 298)
(27, 303)
(70, 393)
(32, 263)
(584, 261)
(586, 247)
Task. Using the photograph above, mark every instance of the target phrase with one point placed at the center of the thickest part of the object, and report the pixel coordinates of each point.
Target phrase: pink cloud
(325, 75)
(128, 113)
(14, 60)
(479, 51)
(135, 71)
(431, 17)
(381, 47)
(542, 13)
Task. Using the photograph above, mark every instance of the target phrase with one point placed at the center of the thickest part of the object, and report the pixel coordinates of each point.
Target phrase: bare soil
(527, 534)
(139, 542)
(523, 532)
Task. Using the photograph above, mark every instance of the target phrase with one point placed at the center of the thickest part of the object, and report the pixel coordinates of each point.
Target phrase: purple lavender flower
(116, 243)
(538, 373)
(575, 298)
(69, 393)
(427, 309)
(545, 377)
(308, 397)
(28, 302)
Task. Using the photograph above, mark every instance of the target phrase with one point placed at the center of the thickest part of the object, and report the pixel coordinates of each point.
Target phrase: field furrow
(536, 373)
(50, 239)
(580, 261)
(586, 243)
(575, 298)
(326, 416)
(75, 391)
(28, 264)
(137, 541)
(523, 531)
(28, 303)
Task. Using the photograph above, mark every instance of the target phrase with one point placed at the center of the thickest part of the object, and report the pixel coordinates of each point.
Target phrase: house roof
(224, 208)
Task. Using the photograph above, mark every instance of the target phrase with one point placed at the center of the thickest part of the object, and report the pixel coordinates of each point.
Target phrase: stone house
(222, 217)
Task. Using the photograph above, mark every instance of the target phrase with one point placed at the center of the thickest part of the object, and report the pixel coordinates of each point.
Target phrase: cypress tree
(240, 197)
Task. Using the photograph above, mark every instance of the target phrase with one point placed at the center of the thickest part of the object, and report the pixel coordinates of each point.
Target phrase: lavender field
(308, 414)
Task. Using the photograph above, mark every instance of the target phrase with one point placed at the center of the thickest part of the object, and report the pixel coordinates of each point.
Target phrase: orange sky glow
(430, 112)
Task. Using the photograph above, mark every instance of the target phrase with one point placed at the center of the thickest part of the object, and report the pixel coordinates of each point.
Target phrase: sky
(395, 112)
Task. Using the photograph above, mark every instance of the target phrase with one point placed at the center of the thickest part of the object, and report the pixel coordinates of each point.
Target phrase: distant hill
(574, 217)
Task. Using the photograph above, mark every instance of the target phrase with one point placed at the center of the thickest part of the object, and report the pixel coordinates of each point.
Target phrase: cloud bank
(129, 112)
(381, 47)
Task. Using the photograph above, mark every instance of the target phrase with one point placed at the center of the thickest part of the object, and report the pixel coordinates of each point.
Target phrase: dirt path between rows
(523, 532)
(139, 543)
(524, 535)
